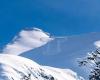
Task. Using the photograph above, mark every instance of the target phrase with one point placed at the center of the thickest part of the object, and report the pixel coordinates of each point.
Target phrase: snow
(27, 40)
(97, 44)
(17, 67)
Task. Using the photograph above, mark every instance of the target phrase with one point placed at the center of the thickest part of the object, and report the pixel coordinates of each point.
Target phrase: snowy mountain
(20, 68)
(64, 52)
(15, 67)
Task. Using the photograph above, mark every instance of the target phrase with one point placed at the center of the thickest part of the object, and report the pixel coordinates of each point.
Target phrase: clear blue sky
(59, 17)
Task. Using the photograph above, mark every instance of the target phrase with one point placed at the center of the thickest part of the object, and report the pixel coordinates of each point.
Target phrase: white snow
(16, 68)
(97, 43)
(27, 40)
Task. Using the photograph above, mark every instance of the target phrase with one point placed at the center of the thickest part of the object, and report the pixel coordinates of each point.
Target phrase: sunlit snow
(15, 67)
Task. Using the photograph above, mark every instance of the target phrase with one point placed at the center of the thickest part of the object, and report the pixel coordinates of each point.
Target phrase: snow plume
(97, 44)
(15, 67)
(27, 40)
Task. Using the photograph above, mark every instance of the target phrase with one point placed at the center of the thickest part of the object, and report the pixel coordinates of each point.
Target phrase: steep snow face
(20, 68)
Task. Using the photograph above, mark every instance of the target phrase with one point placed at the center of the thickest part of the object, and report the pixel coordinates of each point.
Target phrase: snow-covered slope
(14, 67)
(20, 68)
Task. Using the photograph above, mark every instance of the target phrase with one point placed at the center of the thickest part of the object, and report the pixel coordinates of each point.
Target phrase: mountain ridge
(20, 68)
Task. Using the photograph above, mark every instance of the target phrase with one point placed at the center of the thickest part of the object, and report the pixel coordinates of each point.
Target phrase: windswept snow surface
(20, 68)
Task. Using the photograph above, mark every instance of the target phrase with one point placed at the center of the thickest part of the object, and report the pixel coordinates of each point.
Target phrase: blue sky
(59, 17)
